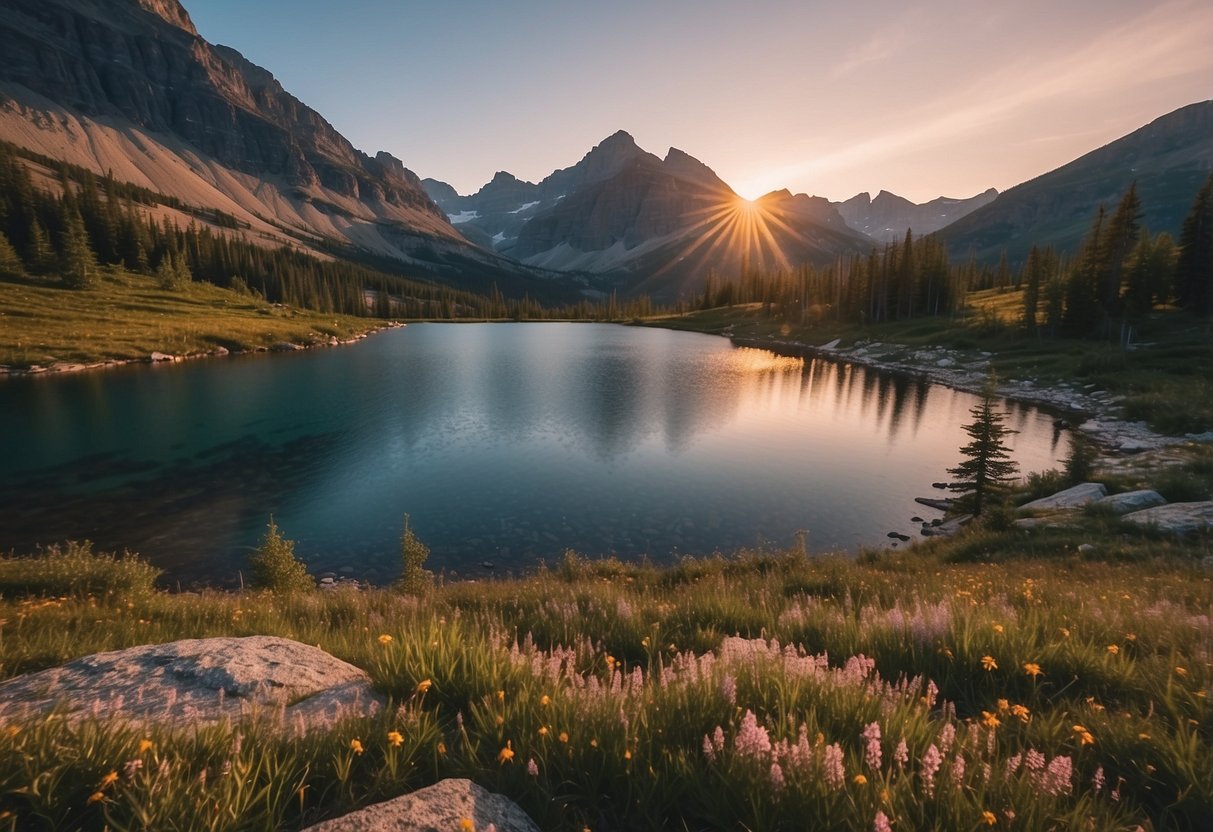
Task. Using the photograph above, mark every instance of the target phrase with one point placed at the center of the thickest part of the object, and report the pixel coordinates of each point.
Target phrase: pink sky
(827, 98)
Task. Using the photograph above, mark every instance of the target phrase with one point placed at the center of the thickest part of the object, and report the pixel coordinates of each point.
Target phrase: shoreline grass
(607, 683)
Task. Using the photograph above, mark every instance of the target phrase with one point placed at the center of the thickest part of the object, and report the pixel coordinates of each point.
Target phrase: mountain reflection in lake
(506, 443)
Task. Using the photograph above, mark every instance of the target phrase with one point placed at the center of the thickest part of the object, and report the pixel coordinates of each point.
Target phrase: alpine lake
(506, 444)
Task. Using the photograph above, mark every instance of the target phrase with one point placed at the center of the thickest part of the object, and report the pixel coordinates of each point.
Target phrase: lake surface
(506, 443)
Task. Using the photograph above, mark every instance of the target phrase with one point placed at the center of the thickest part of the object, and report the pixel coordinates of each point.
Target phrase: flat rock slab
(1131, 501)
(199, 681)
(1073, 497)
(1177, 518)
(439, 808)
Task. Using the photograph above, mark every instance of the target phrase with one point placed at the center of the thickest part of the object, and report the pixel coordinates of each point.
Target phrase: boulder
(157, 357)
(199, 681)
(1131, 501)
(1073, 497)
(439, 808)
(1178, 518)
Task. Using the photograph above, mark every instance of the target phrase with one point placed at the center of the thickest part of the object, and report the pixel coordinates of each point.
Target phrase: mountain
(1169, 159)
(887, 217)
(129, 87)
(649, 224)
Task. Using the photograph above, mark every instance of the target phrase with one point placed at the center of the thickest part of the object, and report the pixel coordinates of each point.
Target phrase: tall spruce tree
(987, 466)
(79, 264)
(1194, 265)
(10, 263)
(1119, 237)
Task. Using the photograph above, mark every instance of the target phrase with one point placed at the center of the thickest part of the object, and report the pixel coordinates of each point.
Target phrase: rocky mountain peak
(685, 166)
(171, 12)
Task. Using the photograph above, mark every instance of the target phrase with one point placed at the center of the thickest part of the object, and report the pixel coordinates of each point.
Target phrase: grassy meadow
(955, 685)
(129, 316)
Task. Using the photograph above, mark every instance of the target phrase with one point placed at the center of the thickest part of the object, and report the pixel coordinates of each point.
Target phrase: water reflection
(505, 443)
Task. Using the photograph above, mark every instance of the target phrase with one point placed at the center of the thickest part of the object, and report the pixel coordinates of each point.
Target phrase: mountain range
(129, 88)
(653, 224)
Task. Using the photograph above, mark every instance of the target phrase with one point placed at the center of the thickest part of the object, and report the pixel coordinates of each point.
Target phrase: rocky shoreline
(1092, 411)
(156, 357)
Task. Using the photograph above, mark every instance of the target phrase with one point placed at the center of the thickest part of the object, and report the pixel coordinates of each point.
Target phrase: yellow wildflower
(1020, 711)
(1113, 649)
(627, 755)
(594, 742)
(1182, 672)
(146, 746)
(990, 720)
(545, 700)
(500, 696)
(108, 780)
(506, 754)
(564, 736)
(1065, 632)
(1143, 736)
(95, 797)
(395, 738)
(356, 746)
(385, 639)
(988, 663)
(989, 818)
(1003, 706)
(860, 780)
(1032, 669)
(998, 628)
(424, 685)
(441, 747)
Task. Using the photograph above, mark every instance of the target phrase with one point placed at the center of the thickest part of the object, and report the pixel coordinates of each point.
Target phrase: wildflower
(989, 818)
(728, 689)
(871, 752)
(990, 720)
(506, 754)
(1058, 777)
(500, 696)
(564, 736)
(424, 685)
(545, 700)
(395, 738)
(466, 825)
(1032, 669)
(385, 639)
(881, 822)
(1064, 632)
(931, 761)
(1113, 649)
(988, 663)
(859, 780)
(543, 730)
(752, 740)
(108, 780)
(146, 746)
(958, 771)
(776, 776)
(832, 764)
(131, 767)
(356, 746)
(532, 768)
(1181, 672)
(1003, 706)
(441, 747)
(593, 742)
(95, 797)
(901, 754)
(1143, 736)
(1097, 780)
(1021, 712)
(998, 628)
(1083, 734)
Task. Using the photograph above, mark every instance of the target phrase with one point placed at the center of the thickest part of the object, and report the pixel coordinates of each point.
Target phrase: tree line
(71, 232)
(1120, 273)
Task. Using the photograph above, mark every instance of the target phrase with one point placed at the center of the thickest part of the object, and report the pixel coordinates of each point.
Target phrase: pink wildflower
(931, 761)
(833, 769)
(752, 740)
(901, 754)
(871, 751)
(881, 823)
(728, 689)
(776, 776)
(532, 768)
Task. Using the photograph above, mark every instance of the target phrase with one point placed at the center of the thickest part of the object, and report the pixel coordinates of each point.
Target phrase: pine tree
(988, 465)
(79, 262)
(38, 254)
(1194, 265)
(1033, 275)
(1082, 288)
(275, 566)
(1117, 241)
(414, 553)
(10, 263)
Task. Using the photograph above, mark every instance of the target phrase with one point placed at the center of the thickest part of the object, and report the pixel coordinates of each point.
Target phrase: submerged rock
(198, 681)
(439, 808)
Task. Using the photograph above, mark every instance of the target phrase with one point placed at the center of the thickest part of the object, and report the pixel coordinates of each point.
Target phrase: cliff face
(887, 217)
(145, 63)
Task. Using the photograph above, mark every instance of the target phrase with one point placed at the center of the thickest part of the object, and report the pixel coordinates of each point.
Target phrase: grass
(128, 316)
(1164, 379)
(605, 695)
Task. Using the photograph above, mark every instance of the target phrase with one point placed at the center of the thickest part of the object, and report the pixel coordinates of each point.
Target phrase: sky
(922, 99)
